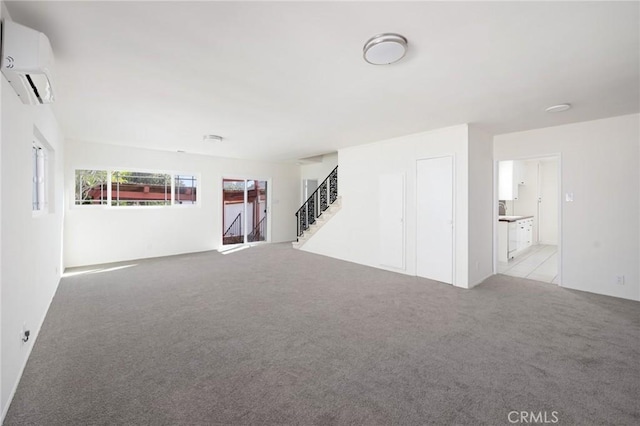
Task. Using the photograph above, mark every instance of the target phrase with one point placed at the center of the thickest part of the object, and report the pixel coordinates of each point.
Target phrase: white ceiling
(286, 80)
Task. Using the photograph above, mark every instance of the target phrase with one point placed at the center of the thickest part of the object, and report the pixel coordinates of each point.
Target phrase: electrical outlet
(25, 333)
(620, 280)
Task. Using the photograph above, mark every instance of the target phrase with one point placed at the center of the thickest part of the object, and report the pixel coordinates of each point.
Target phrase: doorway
(434, 246)
(309, 186)
(244, 211)
(528, 231)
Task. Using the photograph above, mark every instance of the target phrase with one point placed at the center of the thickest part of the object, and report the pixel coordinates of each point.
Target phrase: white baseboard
(472, 285)
(32, 339)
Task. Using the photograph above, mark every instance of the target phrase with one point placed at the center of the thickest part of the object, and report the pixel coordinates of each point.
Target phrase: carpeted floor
(271, 335)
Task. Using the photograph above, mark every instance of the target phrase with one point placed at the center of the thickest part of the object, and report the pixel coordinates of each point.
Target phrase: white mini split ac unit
(27, 63)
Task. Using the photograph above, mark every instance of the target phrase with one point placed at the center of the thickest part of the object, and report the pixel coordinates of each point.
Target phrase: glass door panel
(233, 211)
(244, 215)
(257, 210)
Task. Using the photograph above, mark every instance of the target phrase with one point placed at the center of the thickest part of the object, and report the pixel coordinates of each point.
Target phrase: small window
(140, 189)
(91, 187)
(39, 178)
(185, 189)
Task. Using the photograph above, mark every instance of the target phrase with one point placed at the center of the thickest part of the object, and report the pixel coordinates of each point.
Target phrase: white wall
(31, 246)
(481, 208)
(600, 164)
(318, 171)
(353, 233)
(321, 169)
(95, 234)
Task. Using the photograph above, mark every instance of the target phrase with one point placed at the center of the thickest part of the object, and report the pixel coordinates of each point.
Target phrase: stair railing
(258, 231)
(235, 228)
(318, 202)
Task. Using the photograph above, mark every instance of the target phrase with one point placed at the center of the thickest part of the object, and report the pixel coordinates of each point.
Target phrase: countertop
(512, 218)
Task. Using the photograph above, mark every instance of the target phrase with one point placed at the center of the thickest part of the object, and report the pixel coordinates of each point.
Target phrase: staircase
(318, 209)
(258, 233)
(233, 234)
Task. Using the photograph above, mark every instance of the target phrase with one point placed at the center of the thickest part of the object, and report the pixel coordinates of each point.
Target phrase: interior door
(434, 246)
(391, 214)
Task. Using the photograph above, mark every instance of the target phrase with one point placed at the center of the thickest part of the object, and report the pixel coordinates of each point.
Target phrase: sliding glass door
(244, 211)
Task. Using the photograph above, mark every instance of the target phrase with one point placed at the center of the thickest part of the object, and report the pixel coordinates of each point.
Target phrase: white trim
(560, 227)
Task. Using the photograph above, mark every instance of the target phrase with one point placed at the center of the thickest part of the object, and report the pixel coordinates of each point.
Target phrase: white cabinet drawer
(524, 231)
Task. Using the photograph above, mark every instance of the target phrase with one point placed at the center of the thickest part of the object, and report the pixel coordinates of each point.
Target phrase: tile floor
(539, 262)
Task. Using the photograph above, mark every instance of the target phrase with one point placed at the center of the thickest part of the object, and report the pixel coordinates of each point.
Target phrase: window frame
(40, 178)
(194, 177)
(106, 201)
(110, 192)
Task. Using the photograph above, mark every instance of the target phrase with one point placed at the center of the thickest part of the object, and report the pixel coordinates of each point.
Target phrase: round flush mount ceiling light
(385, 49)
(558, 108)
(212, 138)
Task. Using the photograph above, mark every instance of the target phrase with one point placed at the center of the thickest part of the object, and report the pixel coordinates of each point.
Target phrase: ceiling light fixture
(212, 138)
(385, 49)
(558, 108)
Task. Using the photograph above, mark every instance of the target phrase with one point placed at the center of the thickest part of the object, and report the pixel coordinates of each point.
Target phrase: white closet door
(434, 249)
(392, 220)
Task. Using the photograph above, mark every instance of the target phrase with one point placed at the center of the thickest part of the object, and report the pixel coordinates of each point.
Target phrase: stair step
(319, 223)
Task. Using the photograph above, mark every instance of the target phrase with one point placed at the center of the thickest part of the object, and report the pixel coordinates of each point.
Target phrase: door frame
(452, 155)
(496, 161)
(304, 193)
(221, 180)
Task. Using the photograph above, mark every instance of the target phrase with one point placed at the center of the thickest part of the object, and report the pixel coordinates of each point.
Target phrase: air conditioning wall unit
(27, 63)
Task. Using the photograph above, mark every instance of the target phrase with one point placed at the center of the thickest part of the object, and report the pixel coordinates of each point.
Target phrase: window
(185, 189)
(140, 189)
(91, 187)
(132, 188)
(39, 178)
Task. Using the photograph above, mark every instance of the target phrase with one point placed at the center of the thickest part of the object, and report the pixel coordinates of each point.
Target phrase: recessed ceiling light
(385, 49)
(558, 108)
(212, 138)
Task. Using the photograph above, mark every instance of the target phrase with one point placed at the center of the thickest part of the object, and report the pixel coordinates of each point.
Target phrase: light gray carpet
(271, 335)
